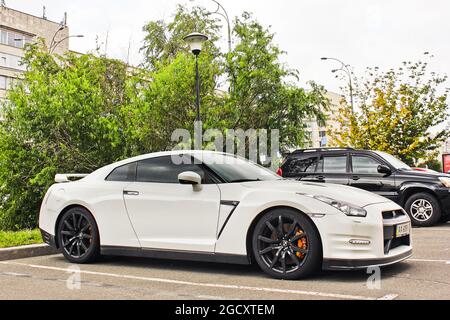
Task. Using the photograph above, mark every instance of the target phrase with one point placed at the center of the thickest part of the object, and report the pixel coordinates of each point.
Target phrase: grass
(20, 238)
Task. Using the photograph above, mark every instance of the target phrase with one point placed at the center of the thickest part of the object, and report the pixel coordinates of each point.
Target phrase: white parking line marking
(430, 260)
(208, 285)
(389, 297)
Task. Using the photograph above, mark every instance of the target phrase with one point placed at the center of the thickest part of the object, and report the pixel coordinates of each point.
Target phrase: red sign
(446, 162)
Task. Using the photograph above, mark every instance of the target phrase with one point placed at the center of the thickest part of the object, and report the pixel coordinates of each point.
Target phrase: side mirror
(190, 177)
(384, 170)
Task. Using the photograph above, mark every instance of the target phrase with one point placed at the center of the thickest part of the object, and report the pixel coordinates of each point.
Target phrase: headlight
(445, 181)
(349, 209)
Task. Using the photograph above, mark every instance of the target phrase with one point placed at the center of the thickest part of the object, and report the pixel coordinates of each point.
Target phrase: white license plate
(403, 230)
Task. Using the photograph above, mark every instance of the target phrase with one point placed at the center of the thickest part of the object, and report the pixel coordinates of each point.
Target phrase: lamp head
(195, 41)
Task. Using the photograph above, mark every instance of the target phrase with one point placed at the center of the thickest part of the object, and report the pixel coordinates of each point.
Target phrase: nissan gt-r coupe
(208, 206)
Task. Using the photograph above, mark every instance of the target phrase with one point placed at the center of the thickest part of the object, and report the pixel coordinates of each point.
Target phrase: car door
(365, 176)
(168, 215)
(333, 168)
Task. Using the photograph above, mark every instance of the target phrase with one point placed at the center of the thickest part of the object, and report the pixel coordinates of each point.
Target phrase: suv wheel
(424, 209)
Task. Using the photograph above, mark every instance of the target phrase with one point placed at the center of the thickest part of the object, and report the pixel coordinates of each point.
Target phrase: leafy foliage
(64, 116)
(262, 91)
(395, 112)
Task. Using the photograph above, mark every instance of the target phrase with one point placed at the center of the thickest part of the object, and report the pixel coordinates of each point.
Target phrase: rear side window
(333, 164)
(163, 170)
(124, 173)
(297, 166)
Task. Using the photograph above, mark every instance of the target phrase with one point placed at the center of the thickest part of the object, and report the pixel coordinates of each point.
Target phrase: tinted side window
(163, 170)
(296, 166)
(336, 164)
(123, 173)
(366, 165)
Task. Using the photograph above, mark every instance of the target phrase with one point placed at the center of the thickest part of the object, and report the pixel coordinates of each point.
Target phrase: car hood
(347, 194)
(420, 174)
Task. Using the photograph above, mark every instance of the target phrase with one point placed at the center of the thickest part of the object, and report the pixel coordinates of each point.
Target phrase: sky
(362, 33)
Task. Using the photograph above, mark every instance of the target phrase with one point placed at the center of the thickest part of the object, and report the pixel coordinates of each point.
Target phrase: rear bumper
(48, 239)
(340, 264)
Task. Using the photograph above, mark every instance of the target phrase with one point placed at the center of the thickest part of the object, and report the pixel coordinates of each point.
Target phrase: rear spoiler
(61, 178)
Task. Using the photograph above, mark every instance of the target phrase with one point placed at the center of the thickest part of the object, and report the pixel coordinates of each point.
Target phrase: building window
(2, 83)
(14, 39)
(11, 61)
(7, 83)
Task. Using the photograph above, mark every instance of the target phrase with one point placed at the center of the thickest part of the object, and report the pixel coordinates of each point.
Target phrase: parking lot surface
(425, 276)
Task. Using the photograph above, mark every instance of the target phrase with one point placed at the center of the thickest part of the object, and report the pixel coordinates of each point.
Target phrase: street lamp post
(346, 69)
(61, 28)
(195, 41)
(223, 14)
(227, 19)
(56, 44)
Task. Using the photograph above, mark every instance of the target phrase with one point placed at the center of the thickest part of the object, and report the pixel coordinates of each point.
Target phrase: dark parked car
(424, 195)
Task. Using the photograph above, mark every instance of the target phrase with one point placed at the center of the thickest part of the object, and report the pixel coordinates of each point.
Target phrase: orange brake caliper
(302, 243)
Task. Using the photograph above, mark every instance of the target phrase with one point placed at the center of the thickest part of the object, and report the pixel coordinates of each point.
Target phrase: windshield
(234, 169)
(396, 163)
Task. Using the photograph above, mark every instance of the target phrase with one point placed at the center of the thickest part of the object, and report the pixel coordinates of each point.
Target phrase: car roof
(326, 150)
(104, 171)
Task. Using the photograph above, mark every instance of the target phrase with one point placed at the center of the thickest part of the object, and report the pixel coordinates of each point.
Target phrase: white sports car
(221, 208)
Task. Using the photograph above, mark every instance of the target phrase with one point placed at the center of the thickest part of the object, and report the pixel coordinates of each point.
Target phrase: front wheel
(286, 245)
(424, 210)
(78, 236)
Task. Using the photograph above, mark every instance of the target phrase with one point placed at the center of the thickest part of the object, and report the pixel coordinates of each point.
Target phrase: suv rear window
(296, 166)
(333, 164)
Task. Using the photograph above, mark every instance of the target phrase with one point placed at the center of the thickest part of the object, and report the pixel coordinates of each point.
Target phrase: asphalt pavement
(425, 276)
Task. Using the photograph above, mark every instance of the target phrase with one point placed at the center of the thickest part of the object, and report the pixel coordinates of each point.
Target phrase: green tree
(397, 112)
(64, 116)
(263, 91)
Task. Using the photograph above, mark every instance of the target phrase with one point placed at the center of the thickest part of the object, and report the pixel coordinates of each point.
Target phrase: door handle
(131, 193)
(321, 178)
(356, 178)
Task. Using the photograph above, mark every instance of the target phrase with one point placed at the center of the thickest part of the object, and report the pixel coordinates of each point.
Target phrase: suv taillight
(280, 172)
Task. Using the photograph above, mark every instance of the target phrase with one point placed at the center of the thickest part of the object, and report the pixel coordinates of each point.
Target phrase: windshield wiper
(245, 180)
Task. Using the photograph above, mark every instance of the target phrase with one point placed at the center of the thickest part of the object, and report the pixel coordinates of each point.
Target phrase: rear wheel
(424, 209)
(286, 245)
(78, 236)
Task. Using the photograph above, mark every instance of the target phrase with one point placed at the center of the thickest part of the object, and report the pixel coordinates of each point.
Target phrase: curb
(35, 250)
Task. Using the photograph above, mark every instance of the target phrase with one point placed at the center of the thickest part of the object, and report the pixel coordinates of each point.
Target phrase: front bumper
(443, 195)
(358, 243)
(337, 264)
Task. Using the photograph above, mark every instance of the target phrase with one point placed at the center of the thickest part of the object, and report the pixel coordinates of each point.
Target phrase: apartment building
(317, 134)
(16, 30)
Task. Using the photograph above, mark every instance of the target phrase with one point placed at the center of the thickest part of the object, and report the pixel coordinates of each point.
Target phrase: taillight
(280, 172)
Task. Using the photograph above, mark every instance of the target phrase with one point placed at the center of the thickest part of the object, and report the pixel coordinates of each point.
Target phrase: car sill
(174, 255)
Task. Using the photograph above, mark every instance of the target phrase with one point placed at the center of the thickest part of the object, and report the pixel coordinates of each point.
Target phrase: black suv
(425, 196)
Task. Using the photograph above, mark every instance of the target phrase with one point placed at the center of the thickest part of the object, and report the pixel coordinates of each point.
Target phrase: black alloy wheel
(286, 245)
(78, 236)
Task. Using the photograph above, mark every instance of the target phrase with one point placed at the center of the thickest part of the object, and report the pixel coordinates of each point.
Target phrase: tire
(78, 236)
(290, 253)
(424, 210)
